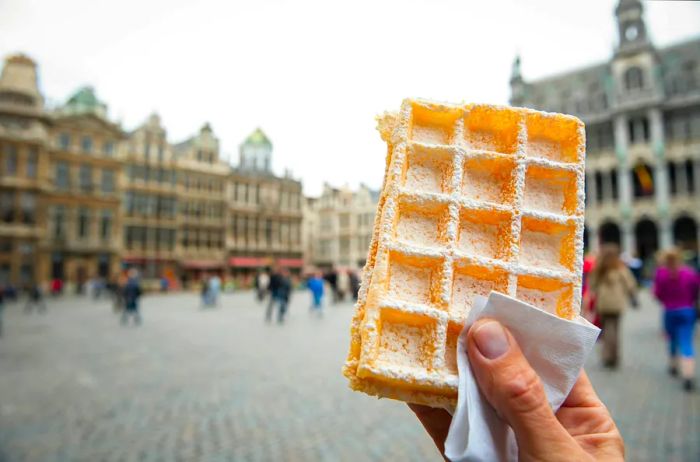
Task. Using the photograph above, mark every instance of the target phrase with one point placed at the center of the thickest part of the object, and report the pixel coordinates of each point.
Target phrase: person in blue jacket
(315, 284)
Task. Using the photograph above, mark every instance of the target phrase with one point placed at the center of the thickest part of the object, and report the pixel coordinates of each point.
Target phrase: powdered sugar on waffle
(445, 233)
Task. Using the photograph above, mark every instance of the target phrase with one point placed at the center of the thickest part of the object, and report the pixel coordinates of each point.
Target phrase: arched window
(634, 79)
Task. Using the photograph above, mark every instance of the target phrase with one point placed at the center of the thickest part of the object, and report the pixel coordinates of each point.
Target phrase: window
(86, 144)
(7, 206)
(106, 225)
(634, 79)
(108, 148)
(160, 153)
(10, 160)
(64, 141)
(62, 176)
(638, 128)
(32, 159)
(83, 223)
(613, 183)
(85, 177)
(28, 206)
(107, 181)
(690, 176)
(268, 232)
(59, 222)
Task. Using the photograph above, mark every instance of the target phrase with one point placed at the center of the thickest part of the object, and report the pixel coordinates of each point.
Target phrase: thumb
(514, 389)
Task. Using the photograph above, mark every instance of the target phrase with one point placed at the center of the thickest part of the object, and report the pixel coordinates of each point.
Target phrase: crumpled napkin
(556, 349)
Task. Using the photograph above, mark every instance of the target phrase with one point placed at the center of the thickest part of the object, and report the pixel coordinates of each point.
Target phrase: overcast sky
(312, 74)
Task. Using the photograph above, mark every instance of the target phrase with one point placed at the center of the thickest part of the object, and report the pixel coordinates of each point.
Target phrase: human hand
(582, 428)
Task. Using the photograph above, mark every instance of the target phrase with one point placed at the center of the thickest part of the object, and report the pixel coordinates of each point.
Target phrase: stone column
(624, 185)
(661, 186)
(696, 178)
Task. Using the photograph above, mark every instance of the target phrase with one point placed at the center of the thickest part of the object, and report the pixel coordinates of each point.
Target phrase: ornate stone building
(81, 198)
(24, 167)
(642, 115)
(150, 202)
(265, 212)
(344, 221)
(201, 202)
(84, 235)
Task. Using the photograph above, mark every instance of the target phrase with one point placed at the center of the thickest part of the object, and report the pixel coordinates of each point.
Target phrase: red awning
(290, 262)
(248, 262)
(202, 264)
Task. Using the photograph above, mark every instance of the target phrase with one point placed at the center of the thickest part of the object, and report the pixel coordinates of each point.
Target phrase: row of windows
(681, 177)
(146, 173)
(10, 165)
(83, 218)
(345, 245)
(258, 230)
(202, 209)
(194, 183)
(682, 125)
(18, 207)
(146, 238)
(255, 194)
(64, 181)
(67, 143)
(202, 238)
(150, 205)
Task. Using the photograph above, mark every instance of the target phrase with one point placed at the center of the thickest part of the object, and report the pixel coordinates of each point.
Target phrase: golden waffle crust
(475, 198)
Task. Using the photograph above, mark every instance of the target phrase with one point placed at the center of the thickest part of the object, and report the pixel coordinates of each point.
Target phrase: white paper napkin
(556, 349)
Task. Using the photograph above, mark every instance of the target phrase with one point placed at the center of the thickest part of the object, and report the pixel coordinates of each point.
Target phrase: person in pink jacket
(676, 287)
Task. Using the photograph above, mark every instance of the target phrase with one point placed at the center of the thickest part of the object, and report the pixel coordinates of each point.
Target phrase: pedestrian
(35, 299)
(273, 289)
(204, 294)
(284, 293)
(676, 287)
(214, 287)
(614, 287)
(315, 284)
(342, 284)
(262, 282)
(118, 292)
(354, 284)
(332, 278)
(582, 428)
(132, 296)
(56, 287)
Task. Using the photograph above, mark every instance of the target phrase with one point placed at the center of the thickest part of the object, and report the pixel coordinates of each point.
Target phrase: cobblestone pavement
(221, 385)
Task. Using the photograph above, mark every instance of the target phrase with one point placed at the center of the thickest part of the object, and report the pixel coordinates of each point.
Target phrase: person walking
(262, 282)
(614, 287)
(676, 287)
(284, 293)
(132, 296)
(35, 299)
(214, 287)
(315, 285)
(332, 278)
(273, 288)
(204, 293)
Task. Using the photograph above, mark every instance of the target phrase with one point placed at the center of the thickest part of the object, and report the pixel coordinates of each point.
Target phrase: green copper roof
(84, 101)
(85, 96)
(257, 138)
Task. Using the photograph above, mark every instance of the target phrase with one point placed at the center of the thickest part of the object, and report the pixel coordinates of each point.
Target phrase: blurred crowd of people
(610, 286)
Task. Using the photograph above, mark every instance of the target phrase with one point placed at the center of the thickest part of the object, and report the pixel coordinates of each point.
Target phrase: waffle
(475, 198)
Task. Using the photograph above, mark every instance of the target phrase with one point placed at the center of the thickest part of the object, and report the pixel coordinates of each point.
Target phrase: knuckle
(524, 391)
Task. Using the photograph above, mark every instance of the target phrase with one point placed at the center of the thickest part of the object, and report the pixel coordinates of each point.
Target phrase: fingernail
(491, 340)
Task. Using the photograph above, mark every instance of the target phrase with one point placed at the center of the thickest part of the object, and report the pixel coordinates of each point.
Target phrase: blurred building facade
(82, 198)
(265, 212)
(642, 114)
(340, 226)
